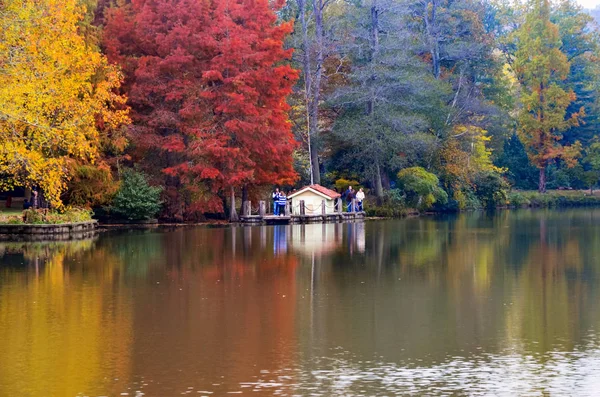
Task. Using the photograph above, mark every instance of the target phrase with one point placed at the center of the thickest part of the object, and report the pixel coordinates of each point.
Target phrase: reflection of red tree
(233, 317)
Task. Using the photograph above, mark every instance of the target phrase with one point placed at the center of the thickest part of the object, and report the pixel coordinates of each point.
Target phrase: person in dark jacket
(276, 195)
(349, 197)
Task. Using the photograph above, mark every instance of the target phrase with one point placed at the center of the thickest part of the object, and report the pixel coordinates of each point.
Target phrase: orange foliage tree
(541, 67)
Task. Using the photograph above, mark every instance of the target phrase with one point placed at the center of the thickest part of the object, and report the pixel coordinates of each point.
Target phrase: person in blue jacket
(281, 202)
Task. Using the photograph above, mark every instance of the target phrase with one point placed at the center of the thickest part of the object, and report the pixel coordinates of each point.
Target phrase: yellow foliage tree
(55, 90)
(465, 155)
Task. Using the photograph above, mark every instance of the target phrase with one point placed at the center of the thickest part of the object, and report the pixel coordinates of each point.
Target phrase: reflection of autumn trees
(555, 294)
(62, 330)
(228, 308)
(432, 285)
(234, 301)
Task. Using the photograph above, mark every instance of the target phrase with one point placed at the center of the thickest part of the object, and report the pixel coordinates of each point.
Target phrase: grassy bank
(553, 199)
(516, 199)
(45, 217)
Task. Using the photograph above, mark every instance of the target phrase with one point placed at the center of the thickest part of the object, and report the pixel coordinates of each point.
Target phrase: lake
(468, 304)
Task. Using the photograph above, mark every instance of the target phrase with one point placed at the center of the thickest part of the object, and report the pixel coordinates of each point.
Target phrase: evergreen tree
(382, 109)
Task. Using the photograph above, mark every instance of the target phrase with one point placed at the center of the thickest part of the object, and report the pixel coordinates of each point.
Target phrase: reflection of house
(316, 238)
(313, 197)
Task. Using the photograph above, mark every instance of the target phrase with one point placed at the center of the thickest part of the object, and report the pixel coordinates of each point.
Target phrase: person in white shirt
(360, 196)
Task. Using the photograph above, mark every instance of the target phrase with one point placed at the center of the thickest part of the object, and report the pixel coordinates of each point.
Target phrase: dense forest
(425, 103)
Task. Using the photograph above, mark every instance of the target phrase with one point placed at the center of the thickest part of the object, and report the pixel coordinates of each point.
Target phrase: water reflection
(474, 303)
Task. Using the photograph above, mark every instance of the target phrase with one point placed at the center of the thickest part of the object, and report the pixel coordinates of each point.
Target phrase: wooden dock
(293, 219)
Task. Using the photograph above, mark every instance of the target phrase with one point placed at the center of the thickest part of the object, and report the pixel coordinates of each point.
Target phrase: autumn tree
(55, 91)
(208, 84)
(541, 67)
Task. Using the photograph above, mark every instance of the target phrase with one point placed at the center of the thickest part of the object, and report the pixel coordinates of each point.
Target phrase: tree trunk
(371, 105)
(244, 193)
(434, 45)
(233, 216)
(385, 181)
(306, 68)
(374, 29)
(378, 184)
(316, 91)
(542, 182)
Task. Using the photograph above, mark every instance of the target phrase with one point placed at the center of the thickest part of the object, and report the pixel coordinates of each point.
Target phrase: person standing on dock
(360, 196)
(281, 203)
(276, 195)
(349, 197)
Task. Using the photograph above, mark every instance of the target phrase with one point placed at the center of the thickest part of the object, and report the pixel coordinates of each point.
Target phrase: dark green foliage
(554, 199)
(521, 174)
(580, 43)
(136, 199)
(592, 161)
(491, 189)
(392, 205)
(518, 200)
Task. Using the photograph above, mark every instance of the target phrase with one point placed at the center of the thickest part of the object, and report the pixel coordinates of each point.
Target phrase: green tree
(580, 39)
(592, 160)
(136, 199)
(521, 174)
(383, 108)
(491, 189)
(421, 188)
(541, 67)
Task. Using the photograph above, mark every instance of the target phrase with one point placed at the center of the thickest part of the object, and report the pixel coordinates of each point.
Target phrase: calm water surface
(474, 304)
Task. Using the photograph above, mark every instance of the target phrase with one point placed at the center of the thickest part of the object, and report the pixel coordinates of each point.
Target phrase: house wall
(313, 204)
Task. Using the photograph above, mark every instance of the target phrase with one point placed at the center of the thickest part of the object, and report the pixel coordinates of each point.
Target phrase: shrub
(90, 185)
(518, 200)
(342, 184)
(421, 188)
(33, 216)
(67, 215)
(136, 199)
(392, 205)
(491, 189)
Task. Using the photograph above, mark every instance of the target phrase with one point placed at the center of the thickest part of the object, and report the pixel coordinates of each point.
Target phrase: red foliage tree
(207, 84)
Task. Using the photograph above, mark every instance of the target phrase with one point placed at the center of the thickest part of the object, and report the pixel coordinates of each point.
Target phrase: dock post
(262, 208)
(233, 216)
(353, 206)
(288, 210)
(323, 209)
(246, 207)
(302, 208)
(339, 206)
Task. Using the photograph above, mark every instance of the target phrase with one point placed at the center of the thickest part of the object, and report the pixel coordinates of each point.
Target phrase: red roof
(332, 194)
(328, 192)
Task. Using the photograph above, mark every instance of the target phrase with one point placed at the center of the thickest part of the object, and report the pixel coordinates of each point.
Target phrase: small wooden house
(313, 197)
